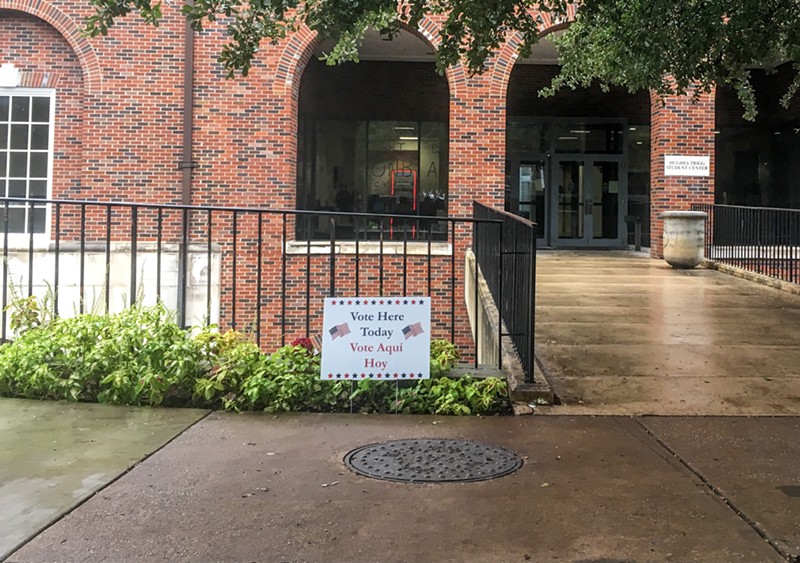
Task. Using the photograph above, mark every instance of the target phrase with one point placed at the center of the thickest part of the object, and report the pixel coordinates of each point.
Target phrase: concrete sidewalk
(622, 333)
(617, 333)
(55, 455)
(251, 488)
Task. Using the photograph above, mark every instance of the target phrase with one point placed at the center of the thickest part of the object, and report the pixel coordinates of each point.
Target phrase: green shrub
(139, 356)
(444, 356)
(230, 359)
(147, 357)
(142, 357)
(445, 395)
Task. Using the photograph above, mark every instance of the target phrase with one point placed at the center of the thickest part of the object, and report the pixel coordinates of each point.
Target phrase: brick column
(477, 160)
(477, 146)
(679, 126)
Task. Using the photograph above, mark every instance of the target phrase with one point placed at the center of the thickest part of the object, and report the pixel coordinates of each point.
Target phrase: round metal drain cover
(433, 461)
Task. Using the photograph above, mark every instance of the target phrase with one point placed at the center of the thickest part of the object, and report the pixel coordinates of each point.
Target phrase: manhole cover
(433, 461)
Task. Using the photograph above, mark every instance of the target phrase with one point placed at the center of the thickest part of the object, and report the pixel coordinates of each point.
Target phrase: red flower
(304, 343)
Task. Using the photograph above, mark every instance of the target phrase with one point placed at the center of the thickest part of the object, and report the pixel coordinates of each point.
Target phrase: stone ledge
(774, 283)
(539, 392)
(481, 372)
(393, 248)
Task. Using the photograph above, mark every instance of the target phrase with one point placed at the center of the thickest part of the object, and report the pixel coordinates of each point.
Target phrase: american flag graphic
(316, 340)
(412, 330)
(339, 330)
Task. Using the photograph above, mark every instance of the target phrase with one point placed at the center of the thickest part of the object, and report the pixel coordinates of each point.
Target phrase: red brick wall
(679, 126)
(129, 133)
(35, 48)
(417, 273)
(120, 136)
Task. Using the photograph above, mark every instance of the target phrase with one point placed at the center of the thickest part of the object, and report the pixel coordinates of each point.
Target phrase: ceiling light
(409, 138)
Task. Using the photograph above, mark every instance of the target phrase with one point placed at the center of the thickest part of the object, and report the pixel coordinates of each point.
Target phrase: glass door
(531, 193)
(569, 190)
(604, 209)
(588, 198)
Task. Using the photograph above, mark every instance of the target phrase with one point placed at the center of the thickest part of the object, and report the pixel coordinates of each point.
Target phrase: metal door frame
(515, 161)
(549, 231)
(588, 240)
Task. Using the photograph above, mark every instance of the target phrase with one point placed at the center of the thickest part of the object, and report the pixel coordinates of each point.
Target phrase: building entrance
(577, 198)
(587, 194)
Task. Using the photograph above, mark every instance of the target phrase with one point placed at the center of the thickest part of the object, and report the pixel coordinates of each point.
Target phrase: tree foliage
(669, 46)
(681, 46)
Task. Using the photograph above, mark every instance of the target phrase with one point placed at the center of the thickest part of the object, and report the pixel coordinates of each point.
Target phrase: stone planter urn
(683, 238)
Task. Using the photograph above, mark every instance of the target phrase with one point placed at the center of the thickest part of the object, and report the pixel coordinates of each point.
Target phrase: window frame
(15, 238)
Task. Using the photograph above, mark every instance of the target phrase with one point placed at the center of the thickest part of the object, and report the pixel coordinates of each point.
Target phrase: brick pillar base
(679, 127)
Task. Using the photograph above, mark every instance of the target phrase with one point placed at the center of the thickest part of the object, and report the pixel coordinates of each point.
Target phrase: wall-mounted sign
(376, 338)
(675, 165)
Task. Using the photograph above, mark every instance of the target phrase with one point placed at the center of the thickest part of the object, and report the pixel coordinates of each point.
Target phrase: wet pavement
(618, 334)
(274, 488)
(622, 333)
(54, 455)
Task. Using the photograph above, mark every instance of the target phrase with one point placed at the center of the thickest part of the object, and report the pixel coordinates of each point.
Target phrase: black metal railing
(507, 260)
(241, 268)
(757, 239)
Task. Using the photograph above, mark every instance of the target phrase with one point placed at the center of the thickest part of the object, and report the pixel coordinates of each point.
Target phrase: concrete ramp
(622, 333)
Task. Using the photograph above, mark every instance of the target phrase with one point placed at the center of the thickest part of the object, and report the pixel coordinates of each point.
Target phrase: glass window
(594, 139)
(19, 137)
(41, 110)
(17, 188)
(526, 137)
(395, 167)
(433, 168)
(25, 153)
(16, 219)
(40, 137)
(18, 164)
(392, 165)
(639, 181)
(20, 108)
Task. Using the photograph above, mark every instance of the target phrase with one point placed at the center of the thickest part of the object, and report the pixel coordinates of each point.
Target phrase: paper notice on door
(613, 187)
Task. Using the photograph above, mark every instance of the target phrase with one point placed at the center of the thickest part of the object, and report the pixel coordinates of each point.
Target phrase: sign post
(377, 338)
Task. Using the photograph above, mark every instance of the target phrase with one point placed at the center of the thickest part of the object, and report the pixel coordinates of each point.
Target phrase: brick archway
(70, 30)
(300, 48)
(506, 58)
(291, 63)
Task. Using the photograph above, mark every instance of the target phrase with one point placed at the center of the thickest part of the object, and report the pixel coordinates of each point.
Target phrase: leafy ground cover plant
(142, 357)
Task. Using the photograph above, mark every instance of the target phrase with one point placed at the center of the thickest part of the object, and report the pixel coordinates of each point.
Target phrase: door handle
(587, 207)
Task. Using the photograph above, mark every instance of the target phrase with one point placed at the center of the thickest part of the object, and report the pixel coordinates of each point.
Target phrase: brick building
(106, 119)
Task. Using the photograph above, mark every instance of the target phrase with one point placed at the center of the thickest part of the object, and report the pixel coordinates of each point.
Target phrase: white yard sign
(376, 338)
(675, 165)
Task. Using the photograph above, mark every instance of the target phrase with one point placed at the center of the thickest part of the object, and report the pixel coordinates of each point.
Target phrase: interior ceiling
(406, 47)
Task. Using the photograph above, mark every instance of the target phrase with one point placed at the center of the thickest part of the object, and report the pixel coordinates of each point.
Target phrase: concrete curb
(774, 283)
